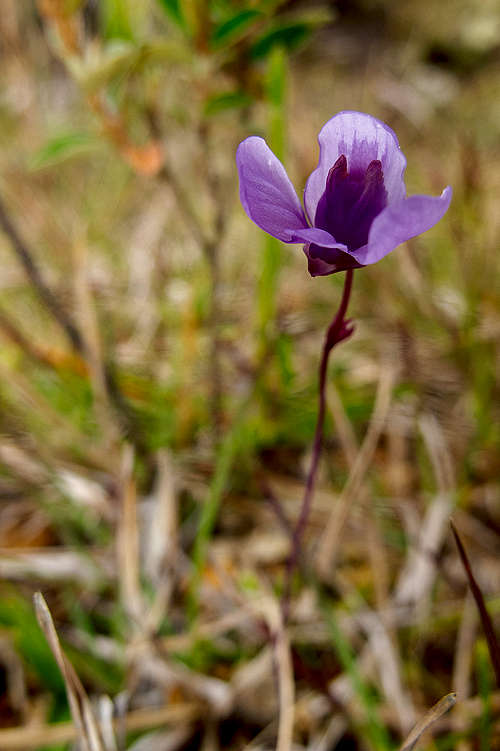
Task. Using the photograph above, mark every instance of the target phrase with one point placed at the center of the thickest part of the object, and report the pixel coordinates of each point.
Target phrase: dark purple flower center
(351, 202)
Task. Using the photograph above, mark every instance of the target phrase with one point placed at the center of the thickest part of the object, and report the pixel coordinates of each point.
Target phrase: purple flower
(356, 210)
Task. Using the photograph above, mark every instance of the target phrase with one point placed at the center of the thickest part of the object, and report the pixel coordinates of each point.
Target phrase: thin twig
(35, 276)
(191, 220)
(277, 507)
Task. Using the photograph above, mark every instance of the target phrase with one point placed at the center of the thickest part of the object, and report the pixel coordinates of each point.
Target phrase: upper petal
(362, 139)
(401, 221)
(266, 192)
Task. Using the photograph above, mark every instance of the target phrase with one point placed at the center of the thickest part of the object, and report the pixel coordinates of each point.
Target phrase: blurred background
(158, 382)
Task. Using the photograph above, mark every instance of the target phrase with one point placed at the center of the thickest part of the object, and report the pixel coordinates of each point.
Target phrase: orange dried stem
(57, 14)
(146, 160)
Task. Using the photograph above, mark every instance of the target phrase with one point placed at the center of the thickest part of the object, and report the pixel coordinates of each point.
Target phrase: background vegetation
(158, 382)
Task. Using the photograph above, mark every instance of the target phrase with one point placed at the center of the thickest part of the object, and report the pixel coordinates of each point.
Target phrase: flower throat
(351, 202)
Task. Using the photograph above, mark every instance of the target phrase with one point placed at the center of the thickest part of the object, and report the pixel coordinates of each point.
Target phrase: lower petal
(323, 261)
(401, 221)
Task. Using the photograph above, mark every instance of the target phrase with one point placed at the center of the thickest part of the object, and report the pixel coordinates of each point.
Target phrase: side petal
(401, 221)
(362, 139)
(266, 193)
(318, 237)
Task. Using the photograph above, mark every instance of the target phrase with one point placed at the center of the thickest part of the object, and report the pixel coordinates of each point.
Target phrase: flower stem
(338, 330)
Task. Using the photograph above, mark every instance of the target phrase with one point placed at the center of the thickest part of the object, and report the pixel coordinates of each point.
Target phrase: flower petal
(317, 267)
(266, 192)
(322, 261)
(362, 139)
(401, 221)
(317, 236)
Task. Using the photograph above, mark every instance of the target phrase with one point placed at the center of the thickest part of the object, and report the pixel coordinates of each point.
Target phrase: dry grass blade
(88, 325)
(160, 540)
(166, 740)
(52, 565)
(331, 537)
(35, 736)
(332, 735)
(128, 542)
(418, 574)
(437, 711)
(343, 426)
(154, 667)
(105, 710)
(389, 666)
(489, 631)
(269, 608)
(287, 691)
(81, 709)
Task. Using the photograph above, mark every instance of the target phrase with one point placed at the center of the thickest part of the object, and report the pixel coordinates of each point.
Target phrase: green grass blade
(228, 451)
(373, 728)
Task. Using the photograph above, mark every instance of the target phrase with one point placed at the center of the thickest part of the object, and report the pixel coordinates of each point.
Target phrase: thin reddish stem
(338, 330)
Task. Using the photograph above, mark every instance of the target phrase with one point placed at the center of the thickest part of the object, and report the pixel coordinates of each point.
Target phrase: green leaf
(118, 59)
(116, 20)
(173, 10)
(291, 31)
(62, 147)
(233, 27)
(227, 101)
(289, 36)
